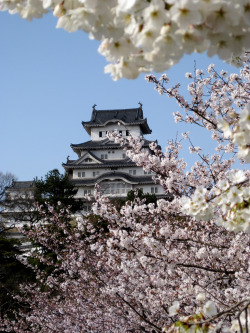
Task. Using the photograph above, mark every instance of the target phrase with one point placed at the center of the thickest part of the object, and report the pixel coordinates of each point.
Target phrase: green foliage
(54, 188)
(118, 202)
(99, 223)
(12, 273)
(149, 198)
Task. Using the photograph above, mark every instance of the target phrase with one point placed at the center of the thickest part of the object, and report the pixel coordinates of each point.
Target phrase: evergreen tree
(56, 190)
(12, 273)
(149, 198)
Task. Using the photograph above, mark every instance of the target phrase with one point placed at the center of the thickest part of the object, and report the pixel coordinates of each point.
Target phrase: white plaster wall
(133, 130)
(21, 194)
(147, 188)
(88, 173)
(113, 154)
(80, 192)
(117, 153)
(139, 171)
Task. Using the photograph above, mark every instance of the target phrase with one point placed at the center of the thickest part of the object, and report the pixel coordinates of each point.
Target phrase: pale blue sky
(49, 80)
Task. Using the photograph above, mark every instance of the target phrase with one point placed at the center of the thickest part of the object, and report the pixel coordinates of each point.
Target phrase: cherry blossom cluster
(157, 245)
(241, 135)
(141, 36)
(227, 203)
(149, 269)
(210, 191)
(220, 104)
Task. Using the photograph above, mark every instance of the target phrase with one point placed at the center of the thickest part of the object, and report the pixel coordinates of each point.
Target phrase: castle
(103, 162)
(100, 161)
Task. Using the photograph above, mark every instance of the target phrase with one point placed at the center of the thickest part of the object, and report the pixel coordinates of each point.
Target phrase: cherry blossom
(182, 264)
(142, 36)
(151, 269)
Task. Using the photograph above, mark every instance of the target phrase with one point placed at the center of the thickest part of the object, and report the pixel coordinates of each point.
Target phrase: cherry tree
(181, 265)
(149, 268)
(141, 35)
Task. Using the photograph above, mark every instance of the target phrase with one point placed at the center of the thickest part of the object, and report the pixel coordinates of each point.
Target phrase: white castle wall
(135, 131)
(96, 172)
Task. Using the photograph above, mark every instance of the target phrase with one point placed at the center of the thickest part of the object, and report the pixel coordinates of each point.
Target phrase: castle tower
(103, 162)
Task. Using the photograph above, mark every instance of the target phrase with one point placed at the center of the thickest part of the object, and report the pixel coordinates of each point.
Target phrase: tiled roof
(105, 164)
(23, 185)
(126, 116)
(114, 175)
(102, 144)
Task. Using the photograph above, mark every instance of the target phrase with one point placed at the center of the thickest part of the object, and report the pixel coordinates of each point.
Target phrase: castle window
(123, 155)
(86, 192)
(87, 160)
(154, 190)
(102, 134)
(81, 174)
(87, 208)
(115, 188)
(132, 172)
(96, 173)
(104, 156)
(127, 133)
(147, 172)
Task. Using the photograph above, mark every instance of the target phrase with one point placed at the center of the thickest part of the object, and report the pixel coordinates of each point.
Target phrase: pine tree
(56, 190)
